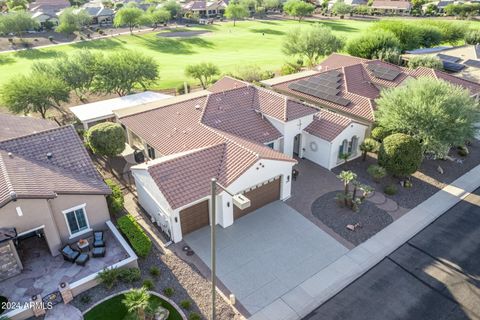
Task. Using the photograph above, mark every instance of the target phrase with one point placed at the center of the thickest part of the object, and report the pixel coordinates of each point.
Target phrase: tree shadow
(167, 45)
(338, 26)
(268, 22)
(200, 42)
(99, 44)
(39, 54)
(268, 31)
(6, 59)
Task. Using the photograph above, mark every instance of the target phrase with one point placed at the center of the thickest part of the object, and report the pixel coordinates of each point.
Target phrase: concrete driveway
(267, 253)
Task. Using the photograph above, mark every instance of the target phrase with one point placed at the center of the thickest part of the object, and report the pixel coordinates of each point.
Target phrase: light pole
(239, 201)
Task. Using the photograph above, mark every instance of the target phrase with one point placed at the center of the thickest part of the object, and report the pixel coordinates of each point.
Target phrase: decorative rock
(440, 170)
(161, 313)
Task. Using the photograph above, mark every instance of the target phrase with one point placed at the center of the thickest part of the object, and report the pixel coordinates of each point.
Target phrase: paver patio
(267, 253)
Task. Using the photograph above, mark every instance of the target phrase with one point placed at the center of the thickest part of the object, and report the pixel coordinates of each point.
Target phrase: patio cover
(101, 110)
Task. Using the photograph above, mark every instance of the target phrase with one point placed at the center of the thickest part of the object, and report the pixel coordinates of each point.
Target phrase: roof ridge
(4, 173)
(36, 133)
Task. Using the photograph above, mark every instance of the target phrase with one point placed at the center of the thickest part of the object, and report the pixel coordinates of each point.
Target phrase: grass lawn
(250, 42)
(113, 309)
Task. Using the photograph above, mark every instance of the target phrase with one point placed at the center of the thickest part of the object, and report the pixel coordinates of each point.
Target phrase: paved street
(435, 275)
(267, 253)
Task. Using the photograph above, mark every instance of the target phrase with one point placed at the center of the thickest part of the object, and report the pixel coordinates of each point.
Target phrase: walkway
(304, 298)
(63, 311)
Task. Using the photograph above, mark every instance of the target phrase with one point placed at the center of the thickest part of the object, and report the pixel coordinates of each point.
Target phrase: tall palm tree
(346, 177)
(137, 300)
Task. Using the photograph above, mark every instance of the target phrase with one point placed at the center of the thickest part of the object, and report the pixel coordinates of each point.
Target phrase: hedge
(139, 241)
(116, 200)
(400, 154)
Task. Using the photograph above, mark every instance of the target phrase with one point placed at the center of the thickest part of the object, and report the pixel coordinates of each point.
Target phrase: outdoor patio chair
(82, 259)
(69, 254)
(98, 239)
(98, 252)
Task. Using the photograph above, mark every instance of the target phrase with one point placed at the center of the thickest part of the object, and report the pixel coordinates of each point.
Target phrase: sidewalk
(307, 296)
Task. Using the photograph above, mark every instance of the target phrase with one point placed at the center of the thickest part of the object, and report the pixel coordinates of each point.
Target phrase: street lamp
(242, 203)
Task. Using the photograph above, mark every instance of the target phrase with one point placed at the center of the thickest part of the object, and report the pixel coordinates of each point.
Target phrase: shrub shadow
(38, 54)
(268, 31)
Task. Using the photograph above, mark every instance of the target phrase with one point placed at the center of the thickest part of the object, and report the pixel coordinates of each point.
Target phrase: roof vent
(13, 196)
(49, 155)
(10, 155)
(197, 107)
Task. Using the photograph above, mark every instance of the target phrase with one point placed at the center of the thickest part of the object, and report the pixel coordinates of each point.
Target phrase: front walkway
(267, 253)
(320, 287)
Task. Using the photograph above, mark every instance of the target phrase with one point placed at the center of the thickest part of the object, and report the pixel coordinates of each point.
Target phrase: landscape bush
(110, 277)
(129, 275)
(168, 292)
(451, 31)
(379, 133)
(463, 151)
(368, 44)
(181, 88)
(148, 284)
(139, 241)
(369, 145)
(154, 271)
(472, 37)
(377, 172)
(185, 304)
(194, 316)
(425, 61)
(390, 190)
(400, 154)
(116, 200)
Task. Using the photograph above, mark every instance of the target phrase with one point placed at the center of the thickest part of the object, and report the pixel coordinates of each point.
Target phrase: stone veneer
(9, 264)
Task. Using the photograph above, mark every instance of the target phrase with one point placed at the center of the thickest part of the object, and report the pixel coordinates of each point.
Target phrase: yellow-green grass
(249, 42)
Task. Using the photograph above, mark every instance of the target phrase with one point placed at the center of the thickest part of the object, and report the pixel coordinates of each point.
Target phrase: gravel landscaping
(371, 218)
(426, 181)
(183, 278)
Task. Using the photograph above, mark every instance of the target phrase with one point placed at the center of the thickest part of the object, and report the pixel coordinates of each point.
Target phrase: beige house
(49, 188)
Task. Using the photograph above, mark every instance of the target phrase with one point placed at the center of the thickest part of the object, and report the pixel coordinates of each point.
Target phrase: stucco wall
(322, 154)
(355, 129)
(36, 212)
(96, 210)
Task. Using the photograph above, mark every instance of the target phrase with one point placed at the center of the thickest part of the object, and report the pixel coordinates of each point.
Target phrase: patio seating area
(42, 273)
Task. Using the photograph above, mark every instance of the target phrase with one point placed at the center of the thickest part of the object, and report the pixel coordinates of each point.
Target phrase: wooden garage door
(260, 197)
(194, 217)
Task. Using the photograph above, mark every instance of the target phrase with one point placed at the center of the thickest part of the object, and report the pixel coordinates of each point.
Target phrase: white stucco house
(247, 137)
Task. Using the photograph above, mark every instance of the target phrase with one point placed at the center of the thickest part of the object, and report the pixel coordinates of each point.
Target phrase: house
(392, 6)
(206, 8)
(46, 11)
(100, 14)
(48, 185)
(349, 85)
(244, 135)
(93, 113)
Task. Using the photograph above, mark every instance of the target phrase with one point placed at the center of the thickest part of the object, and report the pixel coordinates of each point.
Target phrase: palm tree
(345, 156)
(137, 300)
(346, 177)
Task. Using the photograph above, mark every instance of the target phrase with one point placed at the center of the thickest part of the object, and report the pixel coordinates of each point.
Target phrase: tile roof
(362, 87)
(328, 125)
(391, 4)
(15, 126)
(27, 171)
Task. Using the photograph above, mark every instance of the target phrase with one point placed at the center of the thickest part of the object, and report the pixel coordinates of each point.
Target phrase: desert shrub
(109, 277)
(291, 67)
(139, 241)
(400, 154)
(463, 151)
(425, 61)
(115, 201)
(148, 284)
(181, 88)
(185, 304)
(368, 44)
(377, 172)
(194, 316)
(392, 55)
(154, 271)
(129, 275)
(379, 133)
(390, 190)
(50, 38)
(253, 73)
(451, 31)
(472, 36)
(168, 292)
(86, 299)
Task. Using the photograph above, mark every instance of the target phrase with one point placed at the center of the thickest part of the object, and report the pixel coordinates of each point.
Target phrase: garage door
(259, 197)
(194, 217)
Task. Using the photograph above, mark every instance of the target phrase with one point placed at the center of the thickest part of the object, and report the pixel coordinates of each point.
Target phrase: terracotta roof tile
(328, 125)
(391, 4)
(14, 126)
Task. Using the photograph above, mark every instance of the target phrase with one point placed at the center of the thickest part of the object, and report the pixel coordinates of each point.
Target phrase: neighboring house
(349, 85)
(44, 11)
(392, 6)
(206, 8)
(100, 14)
(244, 135)
(462, 61)
(48, 186)
(93, 113)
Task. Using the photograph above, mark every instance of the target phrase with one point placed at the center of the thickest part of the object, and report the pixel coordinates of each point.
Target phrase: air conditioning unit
(241, 201)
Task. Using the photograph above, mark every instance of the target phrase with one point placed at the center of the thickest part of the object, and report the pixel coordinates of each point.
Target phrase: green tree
(158, 16)
(346, 177)
(298, 9)
(236, 11)
(400, 154)
(341, 8)
(36, 92)
(116, 200)
(137, 301)
(368, 145)
(106, 139)
(173, 7)
(16, 22)
(425, 61)
(472, 37)
(368, 44)
(272, 4)
(16, 5)
(77, 71)
(436, 113)
(122, 71)
(203, 72)
(128, 16)
(311, 42)
(71, 20)
(362, 10)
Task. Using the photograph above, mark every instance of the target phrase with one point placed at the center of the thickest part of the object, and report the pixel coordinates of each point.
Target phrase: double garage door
(197, 216)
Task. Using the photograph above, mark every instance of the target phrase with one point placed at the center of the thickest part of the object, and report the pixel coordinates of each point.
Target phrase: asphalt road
(435, 275)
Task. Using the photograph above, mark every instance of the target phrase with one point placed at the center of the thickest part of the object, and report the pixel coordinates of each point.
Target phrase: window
(77, 221)
(343, 148)
(271, 145)
(151, 152)
(353, 145)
